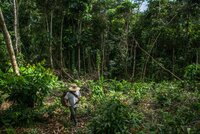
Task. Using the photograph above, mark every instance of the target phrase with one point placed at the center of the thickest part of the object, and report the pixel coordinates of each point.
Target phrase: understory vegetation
(136, 62)
(107, 105)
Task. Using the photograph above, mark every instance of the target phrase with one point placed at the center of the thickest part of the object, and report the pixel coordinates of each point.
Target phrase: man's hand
(66, 103)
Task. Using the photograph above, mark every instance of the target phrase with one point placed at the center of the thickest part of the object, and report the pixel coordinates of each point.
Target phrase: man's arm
(66, 100)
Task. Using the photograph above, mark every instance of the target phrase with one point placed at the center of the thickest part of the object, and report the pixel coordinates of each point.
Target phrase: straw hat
(74, 87)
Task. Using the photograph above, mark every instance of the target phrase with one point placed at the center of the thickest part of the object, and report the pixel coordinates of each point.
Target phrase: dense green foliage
(17, 115)
(167, 107)
(30, 88)
(26, 92)
(105, 37)
(139, 69)
(147, 107)
(114, 116)
(192, 72)
(192, 75)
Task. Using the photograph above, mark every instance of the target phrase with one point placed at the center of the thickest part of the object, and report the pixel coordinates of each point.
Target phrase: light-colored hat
(74, 87)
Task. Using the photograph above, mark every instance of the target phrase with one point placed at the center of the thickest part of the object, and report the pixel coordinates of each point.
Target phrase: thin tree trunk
(16, 26)
(89, 64)
(47, 28)
(51, 38)
(145, 65)
(61, 43)
(173, 61)
(167, 70)
(103, 52)
(9, 44)
(84, 66)
(68, 60)
(127, 49)
(134, 62)
(98, 63)
(197, 57)
(148, 57)
(79, 47)
(73, 60)
(79, 58)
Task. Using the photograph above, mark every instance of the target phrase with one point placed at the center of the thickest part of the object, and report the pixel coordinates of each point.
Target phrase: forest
(136, 63)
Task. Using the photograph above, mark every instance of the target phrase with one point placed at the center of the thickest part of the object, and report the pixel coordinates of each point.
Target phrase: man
(73, 97)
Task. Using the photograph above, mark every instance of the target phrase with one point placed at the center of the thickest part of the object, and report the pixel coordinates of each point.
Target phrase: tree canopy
(91, 36)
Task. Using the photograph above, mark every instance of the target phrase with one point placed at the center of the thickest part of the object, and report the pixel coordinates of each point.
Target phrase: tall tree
(8, 43)
(16, 26)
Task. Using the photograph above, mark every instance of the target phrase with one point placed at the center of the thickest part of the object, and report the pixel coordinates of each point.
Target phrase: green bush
(113, 116)
(192, 77)
(174, 121)
(167, 94)
(17, 115)
(30, 88)
(114, 85)
(192, 72)
(140, 90)
(97, 91)
(175, 110)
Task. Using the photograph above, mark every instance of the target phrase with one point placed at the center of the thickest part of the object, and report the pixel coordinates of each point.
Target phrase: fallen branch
(167, 70)
(67, 74)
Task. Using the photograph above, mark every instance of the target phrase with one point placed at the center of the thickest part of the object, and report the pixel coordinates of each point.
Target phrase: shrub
(177, 109)
(97, 91)
(30, 88)
(114, 116)
(140, 91)
(192, 72)
(17, 115)
(115, 85)
(167, 94)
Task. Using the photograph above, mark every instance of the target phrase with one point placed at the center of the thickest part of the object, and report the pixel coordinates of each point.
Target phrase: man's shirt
(72, 99)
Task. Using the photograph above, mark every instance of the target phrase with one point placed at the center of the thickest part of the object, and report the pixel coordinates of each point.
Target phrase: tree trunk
(79, 44)
(89, 63)
(197, 57)
(73, 60)
(16, 26)
(51, 39)
(98, 63)
(9, 44)
(127, 49)
(79, 58)
(173, 61)
(61, 43)
(148, 57)
(103, 52)
(47, 26)
(134, 62)
(84, 65)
